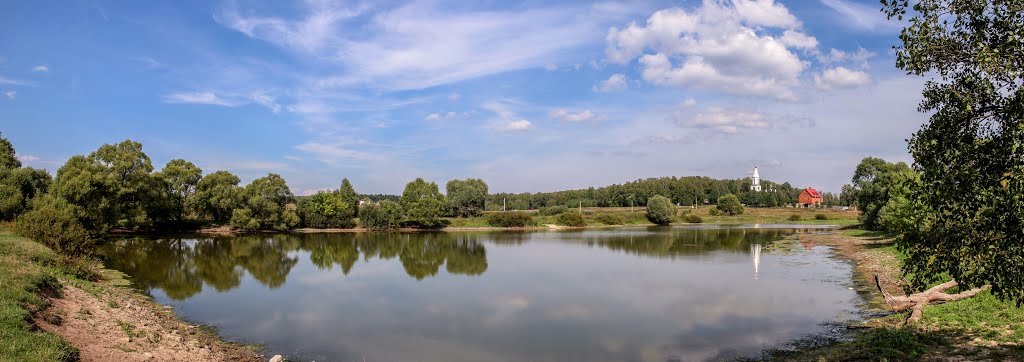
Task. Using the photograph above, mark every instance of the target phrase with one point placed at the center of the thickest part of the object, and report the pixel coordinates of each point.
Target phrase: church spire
(755, 184)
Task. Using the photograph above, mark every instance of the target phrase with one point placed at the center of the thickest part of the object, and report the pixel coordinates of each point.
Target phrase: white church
(755, 184)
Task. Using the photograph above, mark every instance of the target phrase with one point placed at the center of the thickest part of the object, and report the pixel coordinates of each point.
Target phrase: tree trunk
(918, 301)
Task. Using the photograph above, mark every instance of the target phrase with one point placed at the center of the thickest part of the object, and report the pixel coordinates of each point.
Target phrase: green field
(637, 216)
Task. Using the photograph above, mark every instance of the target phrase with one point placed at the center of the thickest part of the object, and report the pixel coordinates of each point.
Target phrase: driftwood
(918, 301)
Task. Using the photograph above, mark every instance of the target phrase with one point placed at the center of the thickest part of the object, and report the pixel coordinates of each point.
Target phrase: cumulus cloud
(841, 77)
(10, 94)
(616, 82)
(859, 57)
(209, 98)
(518, 125)
(507, 120)
(441, 116)
(717, 46)
(40, 68)
(567, 116)
(729, 121)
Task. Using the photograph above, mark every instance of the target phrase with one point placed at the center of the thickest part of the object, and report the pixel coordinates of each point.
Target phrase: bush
(660, 210)
(570, 219)
(386, 215)
(820, 217)
(57, 228)
(794, 217)
(326, 210)
(609, 219)
(713, 211)
(693, 219)
(513, 219)
(553, 210)
(730, 205)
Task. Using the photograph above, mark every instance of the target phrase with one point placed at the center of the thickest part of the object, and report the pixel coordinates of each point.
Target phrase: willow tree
(970, 153)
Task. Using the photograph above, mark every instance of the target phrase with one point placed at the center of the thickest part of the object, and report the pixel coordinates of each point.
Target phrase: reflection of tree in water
(180, 268)
(682, 241)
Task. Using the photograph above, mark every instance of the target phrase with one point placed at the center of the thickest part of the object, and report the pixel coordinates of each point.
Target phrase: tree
(18, 187)
(970, 153)
(466, 197)
(660, 210)
(326, 210)
(8, 159)
(350, 197)
(422, 203)
(180, 178)
(217, 195)
(387, 215)
(848, 196)
(266, 206)
(54, 223)
(730, 205)
(872, 181)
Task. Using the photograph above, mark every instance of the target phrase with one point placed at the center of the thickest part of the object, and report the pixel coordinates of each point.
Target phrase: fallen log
(917, 301)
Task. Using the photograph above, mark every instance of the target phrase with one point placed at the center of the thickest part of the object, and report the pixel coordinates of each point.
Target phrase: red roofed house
(810, 197)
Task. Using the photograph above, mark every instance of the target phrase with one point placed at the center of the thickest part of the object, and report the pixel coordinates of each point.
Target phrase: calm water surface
(625, 294)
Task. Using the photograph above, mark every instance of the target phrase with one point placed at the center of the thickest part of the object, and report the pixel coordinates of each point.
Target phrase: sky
(529, 96)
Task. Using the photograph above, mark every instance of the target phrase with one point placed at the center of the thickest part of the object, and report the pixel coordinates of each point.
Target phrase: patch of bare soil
(116, 324)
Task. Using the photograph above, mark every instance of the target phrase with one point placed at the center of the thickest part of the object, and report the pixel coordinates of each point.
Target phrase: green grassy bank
(637, 216)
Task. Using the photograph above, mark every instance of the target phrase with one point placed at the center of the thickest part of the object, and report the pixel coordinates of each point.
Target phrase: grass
(637, 216)
(27, 272)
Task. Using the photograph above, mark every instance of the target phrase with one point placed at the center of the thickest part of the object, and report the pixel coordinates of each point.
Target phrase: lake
(685, 293)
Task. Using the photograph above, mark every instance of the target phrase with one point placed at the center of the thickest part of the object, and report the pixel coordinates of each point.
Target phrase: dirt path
(108, 323)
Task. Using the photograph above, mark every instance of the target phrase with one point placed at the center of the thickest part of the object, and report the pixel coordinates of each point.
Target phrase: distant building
(810, 197)
(755, 184)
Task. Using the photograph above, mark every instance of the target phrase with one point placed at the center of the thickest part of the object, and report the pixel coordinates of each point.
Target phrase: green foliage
(386, 215)
(510, 219)
(8, 158)
(56, 225)
(609, 219)
(872, 181)
(969, 153)
(820, 217)
(265, 206)
(574, 219)
(795, 217)
(326, 210)
(217, 196)
(713, 211)
(730, 205)
(552, 210)
(18, 187)
(693, 219)
(466, 197)
(660, 210)
(422, 204)
(350, 197)
(180, 179)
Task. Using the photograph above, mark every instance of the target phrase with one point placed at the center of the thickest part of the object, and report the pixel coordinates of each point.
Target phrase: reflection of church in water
(755, 250)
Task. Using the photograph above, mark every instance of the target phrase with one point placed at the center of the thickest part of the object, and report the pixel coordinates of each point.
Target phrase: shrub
(609, 219)
(693, 219)
(730, 205)
(553, 210)
(57, 228)
(713, 211)
(326, 210)
(570, 219)
(513, 219)
(820, 217)
(794, 217)
(660, 210)
(386, 215)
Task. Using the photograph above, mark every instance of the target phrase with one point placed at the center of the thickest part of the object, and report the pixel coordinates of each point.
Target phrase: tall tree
(350, 197)
(466, 197)
(8, 159)
(180, 177)
(217, 195)
(422, 204)
(266, 206)
(970, 153)
(872, 180)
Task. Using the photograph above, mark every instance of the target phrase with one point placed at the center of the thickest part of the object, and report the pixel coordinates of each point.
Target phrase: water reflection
(627, 294)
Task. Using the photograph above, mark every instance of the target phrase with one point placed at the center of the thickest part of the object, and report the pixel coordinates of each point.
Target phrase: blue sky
(530, 96)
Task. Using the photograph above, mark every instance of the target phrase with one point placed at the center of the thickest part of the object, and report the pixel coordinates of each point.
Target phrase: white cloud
(209, 98)
(10, 94)
(266, 101)
(717, 47)
(422, 44)
(728, 121)
(689, 102)
(331, 153)
(567, 116)
(454, 97)
(859, 57)
(862, 17)
(40, 68)
(440, 116)
(15, 82)
(616, 82)
(27, 158)
(292, 158)
(519, 125)
(841, 77)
